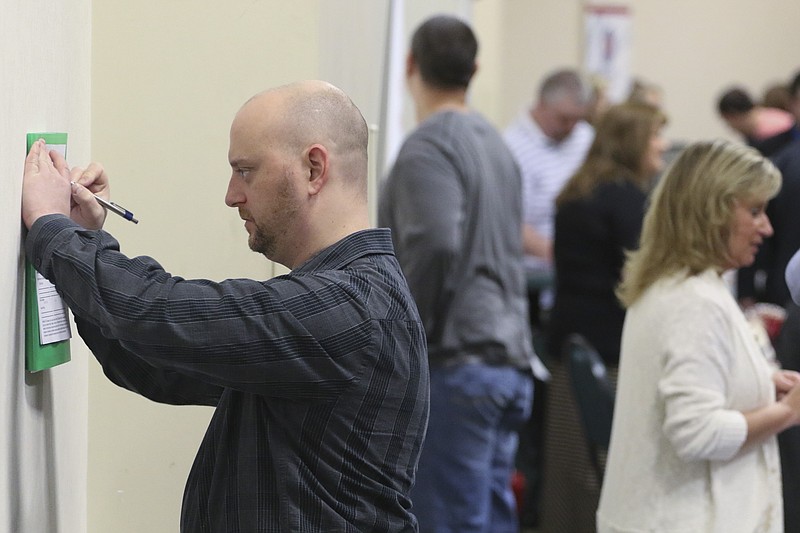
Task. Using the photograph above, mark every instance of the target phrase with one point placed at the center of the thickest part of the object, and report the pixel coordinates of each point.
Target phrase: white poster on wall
(607, 51)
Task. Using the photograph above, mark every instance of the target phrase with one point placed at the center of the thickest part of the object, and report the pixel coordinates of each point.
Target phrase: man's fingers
(75, 175)
(32, 160)
(93, 175)
(59, 162)
(39, 160)
(87, 212)
(81, 194)
(44, 156)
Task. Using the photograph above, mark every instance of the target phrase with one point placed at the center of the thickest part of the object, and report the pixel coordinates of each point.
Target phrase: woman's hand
(784, 381)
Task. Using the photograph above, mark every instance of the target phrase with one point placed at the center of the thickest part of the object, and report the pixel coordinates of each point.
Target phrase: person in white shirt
(698, 403)
(549, 141)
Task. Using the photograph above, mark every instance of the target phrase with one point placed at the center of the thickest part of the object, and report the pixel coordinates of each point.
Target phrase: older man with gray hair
(549, 142)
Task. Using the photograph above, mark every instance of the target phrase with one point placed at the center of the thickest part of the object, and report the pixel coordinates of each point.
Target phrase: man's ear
(318, 161)
(410, 65)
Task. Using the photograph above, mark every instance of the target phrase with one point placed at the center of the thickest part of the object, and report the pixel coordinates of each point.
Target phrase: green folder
(41, 352)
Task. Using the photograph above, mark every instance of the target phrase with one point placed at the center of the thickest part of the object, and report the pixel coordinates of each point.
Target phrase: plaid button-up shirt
(319, 377)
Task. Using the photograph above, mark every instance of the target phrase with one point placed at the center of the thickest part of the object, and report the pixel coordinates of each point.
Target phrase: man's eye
(243, 172)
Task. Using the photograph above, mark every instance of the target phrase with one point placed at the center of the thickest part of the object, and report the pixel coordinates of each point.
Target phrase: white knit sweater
(689, 368)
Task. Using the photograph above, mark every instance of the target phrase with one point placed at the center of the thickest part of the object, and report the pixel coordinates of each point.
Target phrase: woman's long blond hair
(687, 223)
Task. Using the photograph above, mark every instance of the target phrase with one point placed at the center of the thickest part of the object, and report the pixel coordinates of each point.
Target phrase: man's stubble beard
(265, 240)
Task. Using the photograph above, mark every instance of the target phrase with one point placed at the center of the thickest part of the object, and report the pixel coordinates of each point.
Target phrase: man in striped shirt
(549, 142)
(319, 377)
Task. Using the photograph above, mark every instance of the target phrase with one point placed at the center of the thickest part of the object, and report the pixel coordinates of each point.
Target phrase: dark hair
(735, 102)
(777, 96)
(444, 49)
(794, 86)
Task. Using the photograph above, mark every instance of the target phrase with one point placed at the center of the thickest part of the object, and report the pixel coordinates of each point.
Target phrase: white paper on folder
(53, 321)
(60, 148)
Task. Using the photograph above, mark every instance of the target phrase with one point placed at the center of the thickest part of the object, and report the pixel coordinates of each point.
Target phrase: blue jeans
(463, 482)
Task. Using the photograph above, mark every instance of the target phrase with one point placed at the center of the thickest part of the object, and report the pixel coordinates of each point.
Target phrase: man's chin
(254, 246)
(259, 247)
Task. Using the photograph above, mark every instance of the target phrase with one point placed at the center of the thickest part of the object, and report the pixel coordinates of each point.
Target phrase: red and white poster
(607, 47)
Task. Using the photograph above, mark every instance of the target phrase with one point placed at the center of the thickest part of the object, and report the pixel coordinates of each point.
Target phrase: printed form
(53, 320)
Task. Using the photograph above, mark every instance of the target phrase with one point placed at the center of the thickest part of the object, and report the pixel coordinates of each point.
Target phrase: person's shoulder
(583, 132)
(618, 202)
(580, 140)
(527, 143)
(687, 290)
(522, 130)
(481, 126)
(457, 122)
(788, 158)
(584, 128)
(619, 184)
(679, 299)
(703, 294)
(620, 190)
(437, 129)
(424, 139)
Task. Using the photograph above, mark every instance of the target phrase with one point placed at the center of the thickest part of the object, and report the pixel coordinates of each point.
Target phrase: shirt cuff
(39, 239)
(732, 434)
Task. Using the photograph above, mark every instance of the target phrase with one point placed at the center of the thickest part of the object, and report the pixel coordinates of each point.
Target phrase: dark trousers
(531, 435)
(787, 349)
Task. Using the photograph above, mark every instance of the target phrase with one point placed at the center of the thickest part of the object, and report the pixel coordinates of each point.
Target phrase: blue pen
(116, 208)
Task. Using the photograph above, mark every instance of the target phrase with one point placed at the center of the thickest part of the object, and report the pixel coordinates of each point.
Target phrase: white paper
(53, 321)
(60, 148)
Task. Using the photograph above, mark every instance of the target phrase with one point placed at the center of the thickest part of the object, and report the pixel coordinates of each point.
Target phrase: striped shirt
(319, 377)
(546, 166)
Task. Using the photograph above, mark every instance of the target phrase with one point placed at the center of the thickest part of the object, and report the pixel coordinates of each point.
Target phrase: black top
(774, 144)
(591, 235)
(777, 250)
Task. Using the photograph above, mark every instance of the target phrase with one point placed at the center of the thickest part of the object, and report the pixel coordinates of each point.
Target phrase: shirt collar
(353, 247)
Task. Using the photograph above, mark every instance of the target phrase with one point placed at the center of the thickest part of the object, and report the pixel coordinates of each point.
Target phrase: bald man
(319, 377)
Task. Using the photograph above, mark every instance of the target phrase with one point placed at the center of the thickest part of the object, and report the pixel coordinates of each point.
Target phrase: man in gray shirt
(453, 202)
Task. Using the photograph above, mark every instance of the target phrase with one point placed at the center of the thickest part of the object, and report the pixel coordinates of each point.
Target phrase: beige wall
(167, 78)
(520, 40)
(693, 50)
(44, 86)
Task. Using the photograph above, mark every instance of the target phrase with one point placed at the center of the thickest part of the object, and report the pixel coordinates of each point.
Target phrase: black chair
(594, 394)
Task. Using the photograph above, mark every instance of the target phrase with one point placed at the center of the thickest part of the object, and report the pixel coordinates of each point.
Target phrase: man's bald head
(303, 113)
(298, 157)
